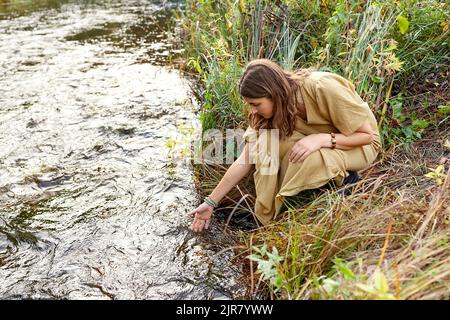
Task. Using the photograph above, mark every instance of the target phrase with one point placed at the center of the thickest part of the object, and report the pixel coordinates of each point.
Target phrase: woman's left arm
(313, 142)
(361, 137)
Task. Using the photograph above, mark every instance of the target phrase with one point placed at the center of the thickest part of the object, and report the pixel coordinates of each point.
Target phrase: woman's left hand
(304, 147)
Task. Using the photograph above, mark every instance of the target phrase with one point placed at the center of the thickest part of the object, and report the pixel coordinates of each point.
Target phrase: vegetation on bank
(389, 239)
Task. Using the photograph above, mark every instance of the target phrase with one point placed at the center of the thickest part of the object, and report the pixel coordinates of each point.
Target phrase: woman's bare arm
(360, 137)
(310, 143)
(238, 170)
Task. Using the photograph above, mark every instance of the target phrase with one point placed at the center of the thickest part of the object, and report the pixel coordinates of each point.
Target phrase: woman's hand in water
(304, 147)
(202, 217)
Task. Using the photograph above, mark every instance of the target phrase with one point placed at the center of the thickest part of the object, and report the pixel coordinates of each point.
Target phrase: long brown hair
(263, 78)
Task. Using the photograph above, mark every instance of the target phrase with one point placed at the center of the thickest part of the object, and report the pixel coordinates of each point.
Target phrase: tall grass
(234, 33)
(426, 44)
(359, 48)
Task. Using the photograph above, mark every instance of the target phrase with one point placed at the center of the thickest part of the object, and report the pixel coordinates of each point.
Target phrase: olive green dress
(332, 105)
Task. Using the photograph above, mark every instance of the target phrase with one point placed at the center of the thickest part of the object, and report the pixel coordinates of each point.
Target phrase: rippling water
(90, 204)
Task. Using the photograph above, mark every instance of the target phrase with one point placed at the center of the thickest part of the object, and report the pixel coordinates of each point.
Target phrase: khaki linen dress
(332, 105)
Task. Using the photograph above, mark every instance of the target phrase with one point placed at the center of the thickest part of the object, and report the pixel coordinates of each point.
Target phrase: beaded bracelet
(333, 140)
(210, 202)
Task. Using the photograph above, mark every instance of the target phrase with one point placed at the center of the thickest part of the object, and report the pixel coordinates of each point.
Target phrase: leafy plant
(344, 283)
(268, 267)
(438, 174)
(399, 126)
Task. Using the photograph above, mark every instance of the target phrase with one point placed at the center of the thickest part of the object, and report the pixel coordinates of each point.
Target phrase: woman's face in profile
(261, 106)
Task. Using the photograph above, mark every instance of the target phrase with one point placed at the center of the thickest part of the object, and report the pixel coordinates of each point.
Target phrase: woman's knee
(360, 158)
(285, 145)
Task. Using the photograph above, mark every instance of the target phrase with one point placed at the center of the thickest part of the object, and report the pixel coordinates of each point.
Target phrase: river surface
(91, 204)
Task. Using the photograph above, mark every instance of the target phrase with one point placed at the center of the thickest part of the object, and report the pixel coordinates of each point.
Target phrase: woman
(324, 130)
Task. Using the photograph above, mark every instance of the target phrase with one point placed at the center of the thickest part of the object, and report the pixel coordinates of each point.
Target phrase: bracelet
(333, 140)
(210, 202)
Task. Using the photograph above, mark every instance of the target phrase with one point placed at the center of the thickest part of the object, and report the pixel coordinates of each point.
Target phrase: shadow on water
(92, 205)
(14, 8)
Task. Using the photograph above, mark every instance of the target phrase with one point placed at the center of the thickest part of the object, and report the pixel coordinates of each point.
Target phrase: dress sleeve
(250, 135)
(340, 103)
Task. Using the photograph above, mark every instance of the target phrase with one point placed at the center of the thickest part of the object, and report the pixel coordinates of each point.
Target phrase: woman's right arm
(238, 170)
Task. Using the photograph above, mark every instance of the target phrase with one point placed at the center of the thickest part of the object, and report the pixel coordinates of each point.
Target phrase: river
(91, 205)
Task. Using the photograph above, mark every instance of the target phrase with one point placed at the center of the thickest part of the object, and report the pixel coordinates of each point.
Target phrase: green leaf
(407, 131)
(254, 257)
(330, 285)
(403, 24)
(365, 288)
(274, 257)
(344, 269)
(380, 282)
(444, 109)
(348, 274)
(376, 79)
(397, 110)
(386, 296)
(420, 124)
(395, 63)
(278, 281)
